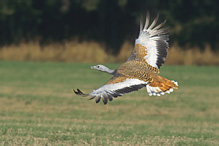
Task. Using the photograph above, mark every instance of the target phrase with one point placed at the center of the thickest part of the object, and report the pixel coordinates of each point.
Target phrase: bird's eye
(98, 66)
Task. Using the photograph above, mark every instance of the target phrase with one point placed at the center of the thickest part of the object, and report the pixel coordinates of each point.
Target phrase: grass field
(38, 107)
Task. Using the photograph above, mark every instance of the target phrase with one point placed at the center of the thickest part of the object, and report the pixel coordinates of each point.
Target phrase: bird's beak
(92, 67)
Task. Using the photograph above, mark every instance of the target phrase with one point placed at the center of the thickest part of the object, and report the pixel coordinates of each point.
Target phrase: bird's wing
(151, 45)
(116, 86)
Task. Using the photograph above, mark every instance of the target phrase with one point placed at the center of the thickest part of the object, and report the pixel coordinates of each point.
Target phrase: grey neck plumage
(109, 71)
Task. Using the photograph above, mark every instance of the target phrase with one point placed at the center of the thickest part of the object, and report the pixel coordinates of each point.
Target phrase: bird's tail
(160, 86)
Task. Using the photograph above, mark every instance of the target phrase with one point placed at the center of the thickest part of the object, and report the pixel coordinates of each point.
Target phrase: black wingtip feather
(104, 100)
(78, 92)
(162, 51)
(98, 99)
(92, 97)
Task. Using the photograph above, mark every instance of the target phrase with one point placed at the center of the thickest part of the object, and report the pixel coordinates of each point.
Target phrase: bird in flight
(142, 67)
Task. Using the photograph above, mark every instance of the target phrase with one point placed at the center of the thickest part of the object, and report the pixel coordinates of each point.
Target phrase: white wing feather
(155, 40)
(107, 91)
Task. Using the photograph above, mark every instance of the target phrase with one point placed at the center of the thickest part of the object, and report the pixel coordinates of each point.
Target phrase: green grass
(38, 107)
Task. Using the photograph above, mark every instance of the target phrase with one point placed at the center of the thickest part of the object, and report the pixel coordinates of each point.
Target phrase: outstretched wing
(116, 86)
(151, 45)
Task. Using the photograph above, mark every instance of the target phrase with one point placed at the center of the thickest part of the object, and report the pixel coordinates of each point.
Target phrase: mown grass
(38, 107)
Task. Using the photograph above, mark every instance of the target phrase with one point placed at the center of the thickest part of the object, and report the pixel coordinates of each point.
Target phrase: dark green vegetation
(110, 22)
(37, 106)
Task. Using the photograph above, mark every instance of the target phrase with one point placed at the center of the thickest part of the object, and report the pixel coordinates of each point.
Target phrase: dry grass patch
(67, 51)
(191, 56)
(91, 51)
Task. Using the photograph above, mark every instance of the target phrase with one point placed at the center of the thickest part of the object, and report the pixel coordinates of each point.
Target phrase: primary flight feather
(142, 67)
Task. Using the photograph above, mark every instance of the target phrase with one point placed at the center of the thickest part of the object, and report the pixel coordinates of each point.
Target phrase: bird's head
(99, 67)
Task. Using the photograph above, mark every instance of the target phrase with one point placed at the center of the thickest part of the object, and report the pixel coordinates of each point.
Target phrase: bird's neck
(109, 71)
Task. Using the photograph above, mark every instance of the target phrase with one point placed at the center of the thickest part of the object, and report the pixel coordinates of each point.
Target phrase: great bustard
(142, 67)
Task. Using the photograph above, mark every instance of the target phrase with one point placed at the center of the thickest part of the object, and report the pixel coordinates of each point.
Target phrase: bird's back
(136, 69)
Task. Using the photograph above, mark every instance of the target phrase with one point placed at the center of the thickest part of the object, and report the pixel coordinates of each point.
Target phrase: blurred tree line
(192, 22)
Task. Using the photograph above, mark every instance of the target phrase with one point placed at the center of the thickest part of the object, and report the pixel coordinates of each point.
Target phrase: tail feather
(161, 87)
